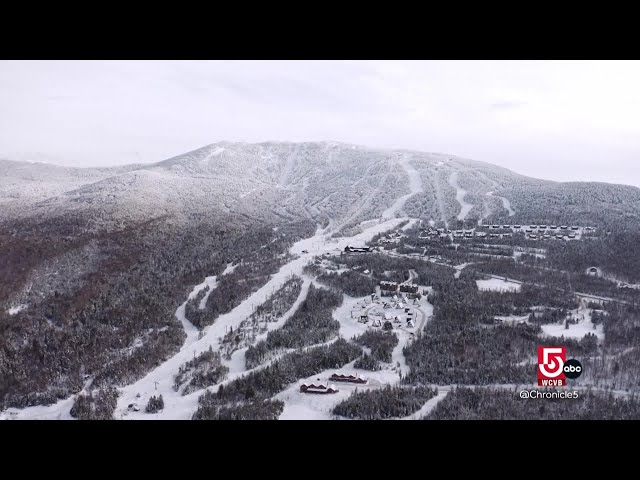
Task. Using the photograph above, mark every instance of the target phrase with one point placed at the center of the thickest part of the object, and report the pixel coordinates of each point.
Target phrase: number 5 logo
(553, 358)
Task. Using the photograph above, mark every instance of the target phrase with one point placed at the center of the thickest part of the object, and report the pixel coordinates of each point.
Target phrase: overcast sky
(555, 119)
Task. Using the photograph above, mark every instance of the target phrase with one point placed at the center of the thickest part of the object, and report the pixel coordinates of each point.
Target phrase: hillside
(107, 274)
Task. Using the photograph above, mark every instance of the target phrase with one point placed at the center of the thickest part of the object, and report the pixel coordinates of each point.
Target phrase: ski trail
(237, 363)
(210, 282)
(428, 406)
(505, 203)
(288, 168)
(160, 380)
(189, 328)
(367, 201)
(300, 406)
(438, 190)
(465, 207)
(415, 187)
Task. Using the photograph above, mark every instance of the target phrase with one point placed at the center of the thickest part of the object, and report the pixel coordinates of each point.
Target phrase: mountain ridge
(318, 181)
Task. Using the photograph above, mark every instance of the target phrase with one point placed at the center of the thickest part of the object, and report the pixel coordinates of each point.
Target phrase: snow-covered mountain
(319, 181)
(107, 275)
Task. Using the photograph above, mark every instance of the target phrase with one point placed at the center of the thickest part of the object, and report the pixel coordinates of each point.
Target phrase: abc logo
(572, 368)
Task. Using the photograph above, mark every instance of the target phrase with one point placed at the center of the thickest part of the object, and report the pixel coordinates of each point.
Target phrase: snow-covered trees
(381, 343)
(97, 405)
(387, 402)
(312, 323)
(203, 371)
(263, 384)
(155, 404)
(465, 403)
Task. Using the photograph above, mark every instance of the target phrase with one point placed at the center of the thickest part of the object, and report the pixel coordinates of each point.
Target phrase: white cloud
(552, 119)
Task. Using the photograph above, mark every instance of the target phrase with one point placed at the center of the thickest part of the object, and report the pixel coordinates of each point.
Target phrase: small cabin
(388, 288)
(336, 377)
(350, 249)
(319, 388)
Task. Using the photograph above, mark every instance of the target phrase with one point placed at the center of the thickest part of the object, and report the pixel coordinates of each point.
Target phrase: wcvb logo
(554, 368)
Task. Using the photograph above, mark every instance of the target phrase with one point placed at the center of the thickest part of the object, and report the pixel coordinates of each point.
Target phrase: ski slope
(415, 187)
(505, 203)
(465, 207)
(160, 380)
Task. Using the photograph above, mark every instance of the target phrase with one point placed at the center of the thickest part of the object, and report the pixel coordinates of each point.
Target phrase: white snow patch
(496, 284)
(14, 310)
(459, 268)
(512, 318)
(57, 411)
(215, 153)
(579, 330)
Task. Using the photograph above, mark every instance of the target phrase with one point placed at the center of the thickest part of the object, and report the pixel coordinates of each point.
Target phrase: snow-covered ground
(430, 405)
(517, 255)
(305, 406)
(302, 406)
(465, 207)
(579, 330)
(512, 318)
(459, 269)
(499, 285)
(16, 309)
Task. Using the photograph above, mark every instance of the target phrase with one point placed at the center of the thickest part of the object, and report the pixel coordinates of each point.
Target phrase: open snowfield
(499, 285)
(583, 327)
(575, 331)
